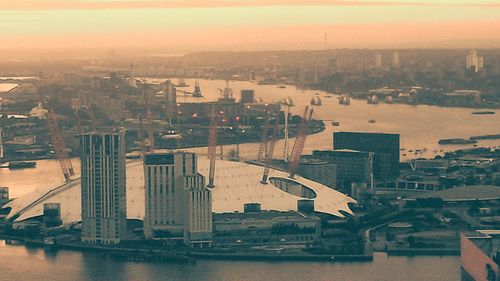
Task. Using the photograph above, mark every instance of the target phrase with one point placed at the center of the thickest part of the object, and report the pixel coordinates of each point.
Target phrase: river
(21, 263)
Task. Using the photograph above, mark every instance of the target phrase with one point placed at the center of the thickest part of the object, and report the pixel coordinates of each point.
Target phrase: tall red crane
(270, 151)
(263, 143)
(59, 146)
(212, 145)
(142, 140)
(300, 139)
(150, 140)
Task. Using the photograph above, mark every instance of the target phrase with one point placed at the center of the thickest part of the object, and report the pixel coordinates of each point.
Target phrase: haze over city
(183, 25)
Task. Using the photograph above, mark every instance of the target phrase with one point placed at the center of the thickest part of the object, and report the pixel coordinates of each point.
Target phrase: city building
(480, 256)
(177, 204)
(318, 170)
(52, 214)
(384, 146)
(462, 98)
(351, 166)
(378, 60)
(474, 62)
(103, 201)
(247, 96)
(259, 227)
(4, 195)
(395, 60)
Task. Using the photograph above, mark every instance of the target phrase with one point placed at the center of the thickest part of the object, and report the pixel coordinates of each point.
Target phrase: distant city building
(178, 203)
(462, 98)
(103, 187)
(319, 171)
(378, 60)
(52, 214)
(351, 166)
(395, 59)
(384, 146)
(247, 96)
(170, 95)
(474, 62)
(480, 256)
(4, 195)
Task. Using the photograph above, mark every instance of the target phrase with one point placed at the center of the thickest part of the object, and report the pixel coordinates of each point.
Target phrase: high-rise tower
(178, 204)
(103, 187)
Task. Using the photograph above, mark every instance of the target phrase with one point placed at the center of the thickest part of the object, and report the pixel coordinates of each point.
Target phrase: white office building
(474, 62)
(178, 205)
(103, 187)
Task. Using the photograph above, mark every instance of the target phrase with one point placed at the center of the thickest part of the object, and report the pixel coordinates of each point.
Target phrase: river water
(420, 128)
(21, 263)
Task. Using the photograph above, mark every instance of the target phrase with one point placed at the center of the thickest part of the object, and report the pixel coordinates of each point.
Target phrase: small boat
(181, 83)
(171, 134)
(197, 90)
(287, 101)
(372, 100)
(371, 121)
(483, 112)
(316, 101)
(22, 165)
(335, 123)
(457, 141)
(344, 100)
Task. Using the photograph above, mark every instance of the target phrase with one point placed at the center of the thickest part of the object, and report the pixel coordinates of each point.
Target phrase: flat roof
(463, 193)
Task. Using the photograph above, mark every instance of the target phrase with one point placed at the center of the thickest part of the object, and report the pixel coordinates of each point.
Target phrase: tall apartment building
(178, 204)
(104, 209)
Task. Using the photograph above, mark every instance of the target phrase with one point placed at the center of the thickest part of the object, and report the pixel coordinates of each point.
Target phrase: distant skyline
(183, 25)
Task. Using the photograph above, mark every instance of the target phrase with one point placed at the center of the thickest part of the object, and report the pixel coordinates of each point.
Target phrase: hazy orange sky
(248, 24)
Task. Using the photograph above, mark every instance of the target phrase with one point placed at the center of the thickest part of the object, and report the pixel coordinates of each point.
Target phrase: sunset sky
(248, 24)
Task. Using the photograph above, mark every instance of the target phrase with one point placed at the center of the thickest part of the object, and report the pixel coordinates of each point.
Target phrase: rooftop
(464, 193)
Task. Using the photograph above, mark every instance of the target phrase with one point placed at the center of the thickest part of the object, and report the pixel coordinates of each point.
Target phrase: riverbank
(183, 255)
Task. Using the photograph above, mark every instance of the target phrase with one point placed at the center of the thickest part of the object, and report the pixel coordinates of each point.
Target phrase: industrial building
(384, 146)
(256, 227)
(319, 170)
(351, 166)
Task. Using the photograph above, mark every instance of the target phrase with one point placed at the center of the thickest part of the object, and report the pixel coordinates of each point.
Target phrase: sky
(248, 24)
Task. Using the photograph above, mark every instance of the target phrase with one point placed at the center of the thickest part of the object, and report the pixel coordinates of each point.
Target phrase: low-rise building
(480, 256)
(265, 227)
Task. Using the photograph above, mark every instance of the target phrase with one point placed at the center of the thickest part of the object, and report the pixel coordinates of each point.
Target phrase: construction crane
(212, 145)
(151, 138)
(270, 151)
(150, 141)
(142, 140)
(300, 139)
(263, 142)
(59, 146)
